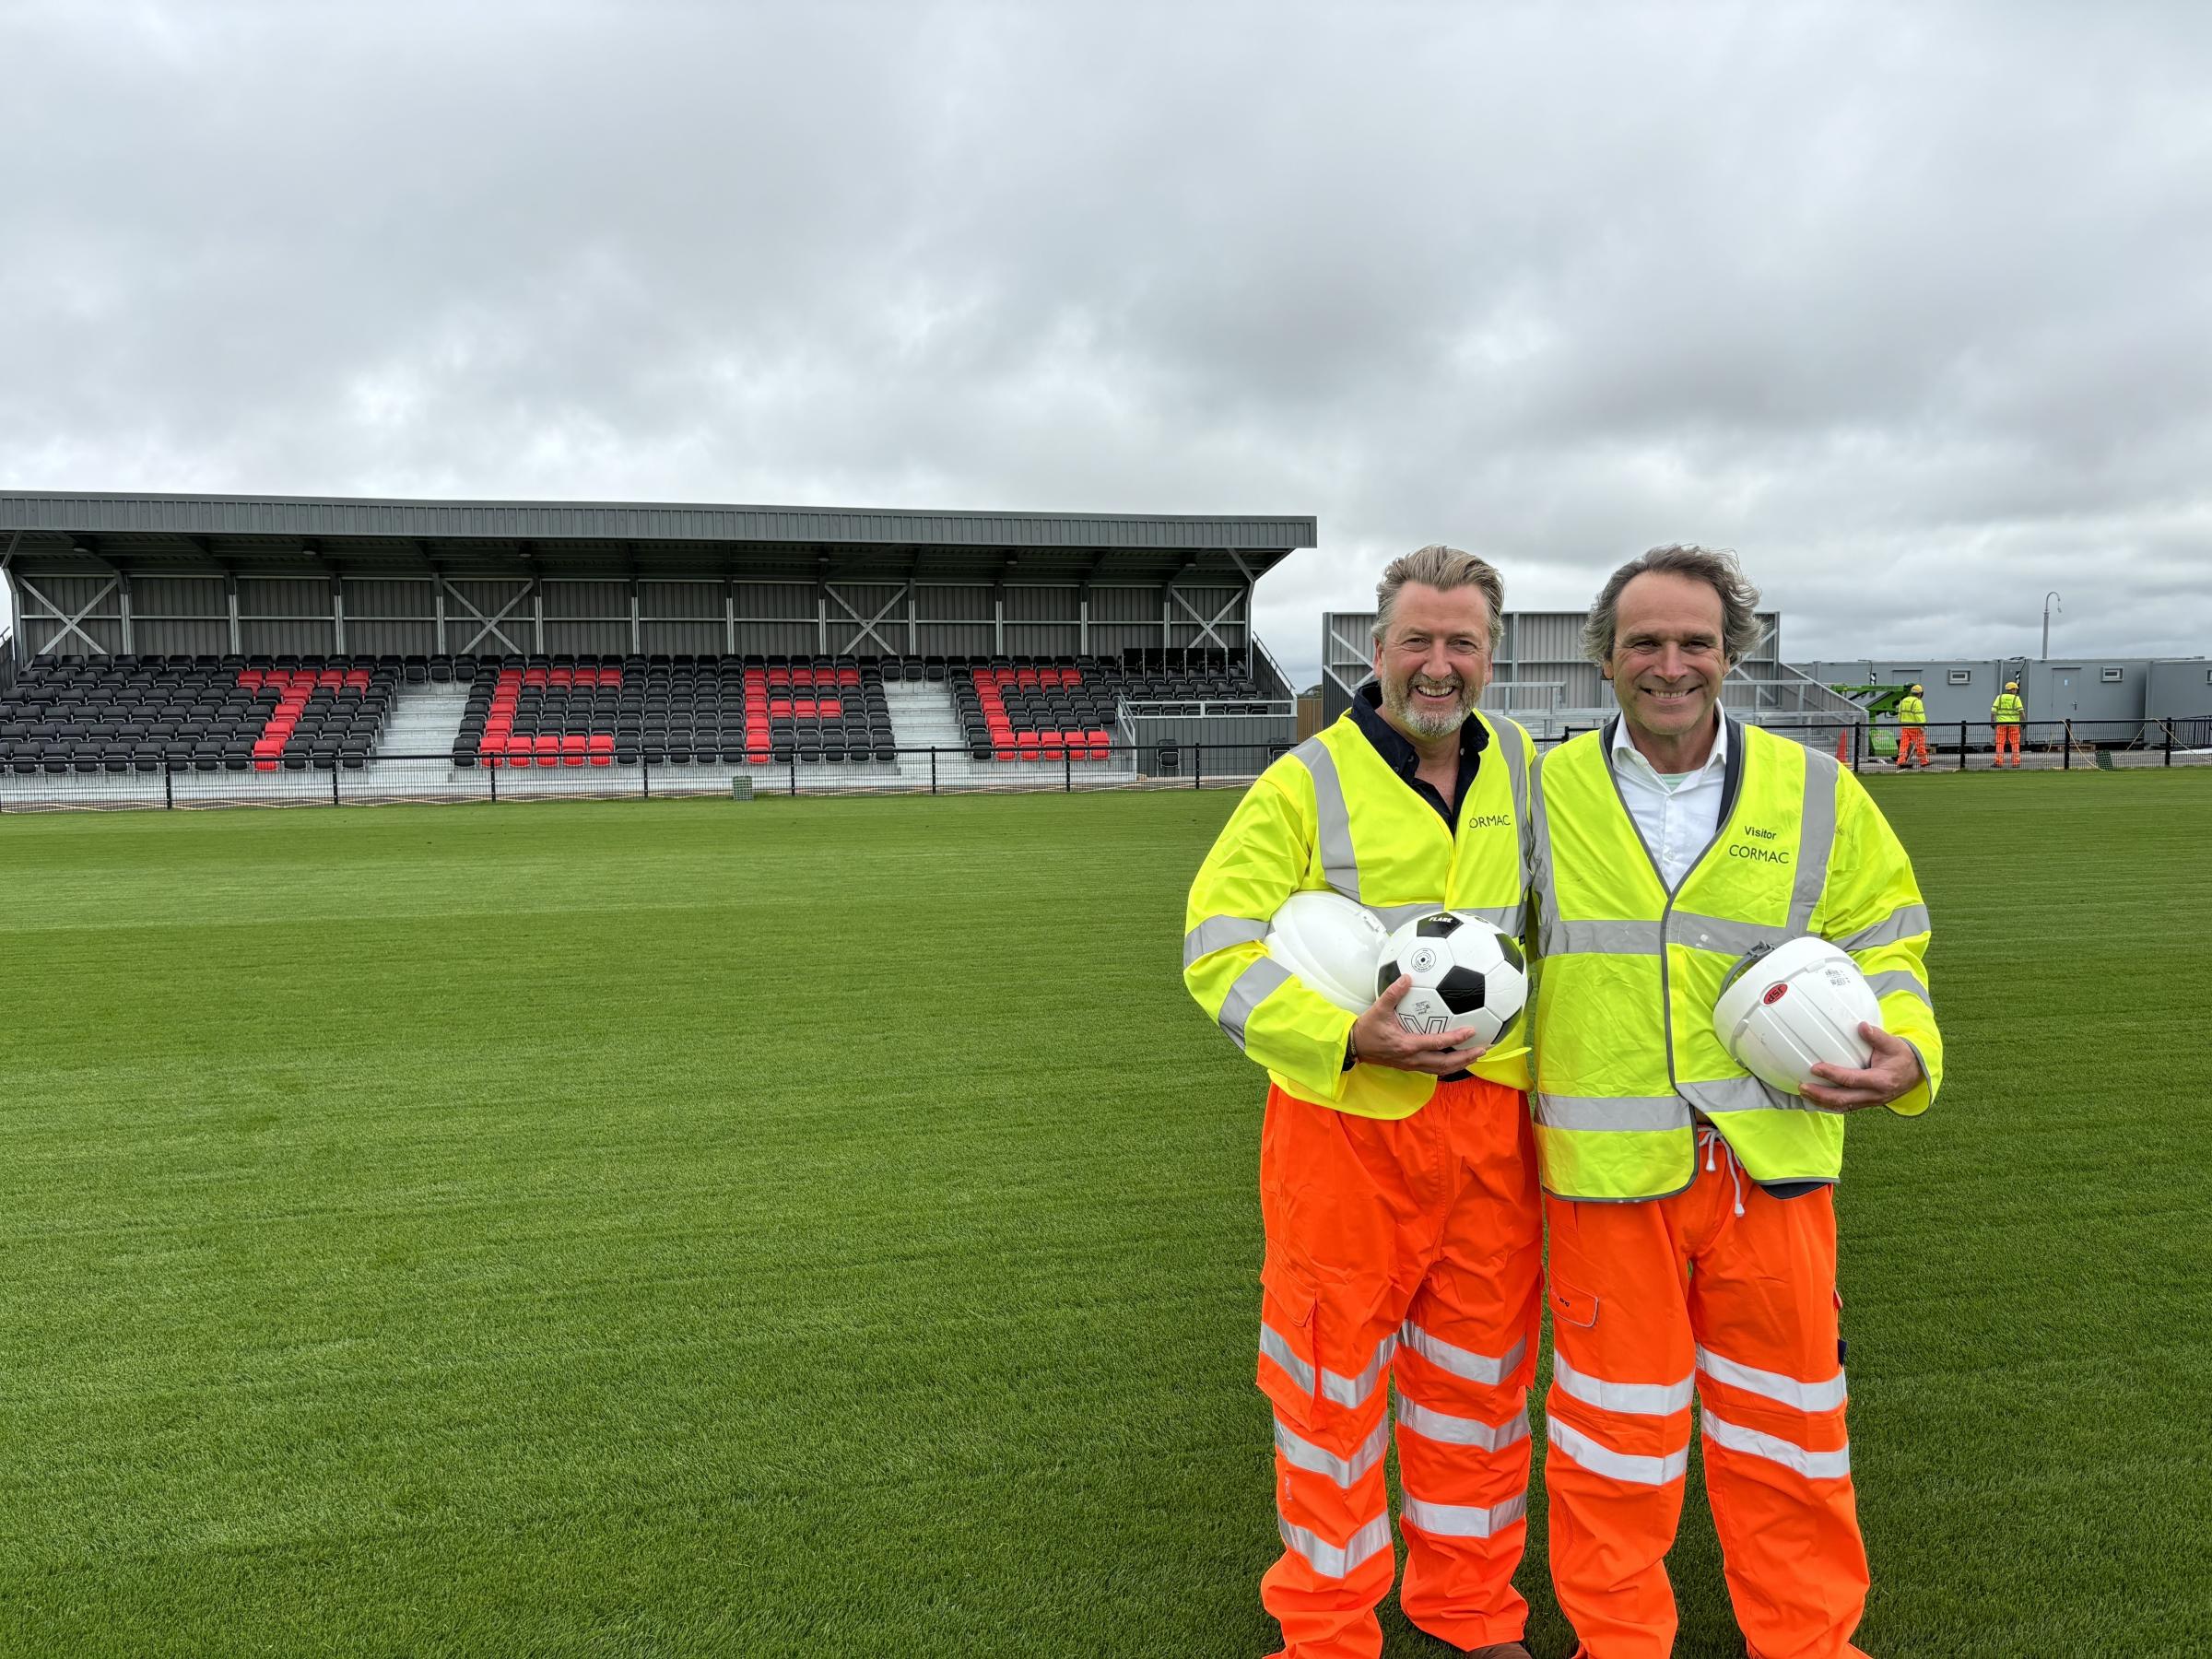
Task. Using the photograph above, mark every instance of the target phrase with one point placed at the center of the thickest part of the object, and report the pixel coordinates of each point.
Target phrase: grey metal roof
(241, 532)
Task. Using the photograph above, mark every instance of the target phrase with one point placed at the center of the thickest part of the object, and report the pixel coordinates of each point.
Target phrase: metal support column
(230, 604)
(338, 615)
(438, 596)
(122, 590)
(636, 633)
(729, 618)
(538, 616)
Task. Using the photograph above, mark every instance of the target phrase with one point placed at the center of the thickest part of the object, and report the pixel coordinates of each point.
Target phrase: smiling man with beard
(1397, 1177)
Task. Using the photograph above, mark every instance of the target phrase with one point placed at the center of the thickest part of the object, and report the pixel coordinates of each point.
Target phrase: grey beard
(1429, 726)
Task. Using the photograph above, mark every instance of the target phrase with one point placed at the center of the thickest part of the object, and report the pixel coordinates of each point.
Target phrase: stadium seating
(1051, 709)
(203, 714)
(674, 711)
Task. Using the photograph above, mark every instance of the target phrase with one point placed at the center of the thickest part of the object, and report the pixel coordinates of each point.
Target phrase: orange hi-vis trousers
(1912, 738)
(1731, 1292)
(2008, 733)
(1401, 1254)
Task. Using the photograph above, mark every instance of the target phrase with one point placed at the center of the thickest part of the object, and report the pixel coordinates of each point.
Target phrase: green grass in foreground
(824, 1226)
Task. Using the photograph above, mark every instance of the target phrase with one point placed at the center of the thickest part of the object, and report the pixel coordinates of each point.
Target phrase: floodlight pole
(2050, 599)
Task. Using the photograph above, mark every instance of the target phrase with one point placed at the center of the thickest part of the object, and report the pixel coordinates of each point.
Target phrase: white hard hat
(1781, 1010)
(1332, 943)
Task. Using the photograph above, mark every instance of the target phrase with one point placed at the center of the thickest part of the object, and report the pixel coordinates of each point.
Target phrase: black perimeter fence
(110, 781)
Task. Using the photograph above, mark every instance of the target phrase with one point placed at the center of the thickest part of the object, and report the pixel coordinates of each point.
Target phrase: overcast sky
(1911, 306)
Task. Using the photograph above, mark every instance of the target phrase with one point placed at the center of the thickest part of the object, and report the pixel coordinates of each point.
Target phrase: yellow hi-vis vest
(1911, 711)
(1332, 814)
(2007, 710)
(1628, 972)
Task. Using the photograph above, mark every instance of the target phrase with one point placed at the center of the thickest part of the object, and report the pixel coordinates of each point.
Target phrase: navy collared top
(1405, 760)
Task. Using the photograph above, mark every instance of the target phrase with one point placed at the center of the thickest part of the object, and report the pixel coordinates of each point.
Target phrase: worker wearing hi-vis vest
(1911, 729)
(1397, 1175)
(2007, 711)
(1689, 1207)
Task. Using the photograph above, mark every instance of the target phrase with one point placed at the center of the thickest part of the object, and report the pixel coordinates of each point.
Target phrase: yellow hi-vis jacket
(1332, 814)
(1911, 711)
(2008, 709)
(1628, 972)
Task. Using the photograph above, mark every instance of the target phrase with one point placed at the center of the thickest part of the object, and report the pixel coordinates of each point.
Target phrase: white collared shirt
(1676, 822)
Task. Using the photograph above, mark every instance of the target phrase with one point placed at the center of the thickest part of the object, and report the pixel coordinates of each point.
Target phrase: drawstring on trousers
(1712, 1138)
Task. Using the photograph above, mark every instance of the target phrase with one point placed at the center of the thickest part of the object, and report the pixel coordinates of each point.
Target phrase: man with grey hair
(1688, 1204)
(1397, 1180)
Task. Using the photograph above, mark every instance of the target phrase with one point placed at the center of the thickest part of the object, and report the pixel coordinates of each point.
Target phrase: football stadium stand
(182, 650)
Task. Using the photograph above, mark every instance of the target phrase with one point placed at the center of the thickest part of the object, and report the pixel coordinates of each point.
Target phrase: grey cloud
(1905, 303)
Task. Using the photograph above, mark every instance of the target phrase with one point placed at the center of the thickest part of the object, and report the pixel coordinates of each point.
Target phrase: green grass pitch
(826, 1228)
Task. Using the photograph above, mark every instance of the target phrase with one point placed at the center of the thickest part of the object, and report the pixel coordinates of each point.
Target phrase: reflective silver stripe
(1459, 1361)
(1813, 1466)
(1509, 736)
(1346, 1391)
(1547, 892)
(1461, 1519)
(1721, 935)
(1601, 938)
(1906, 922)
(1773, 1385)
(1304, 1454)
(1334, 1560)
(1505, 918)
(1353, 1391)
(1395, 916)
(1898, 978)
(1611, 1112)
(1738, 1094)
(1247, 992)
(1333, 821)
(1218, 932)
(1630, 1399)
(1816, 838)
(1616, 1465)
(1460, 1430)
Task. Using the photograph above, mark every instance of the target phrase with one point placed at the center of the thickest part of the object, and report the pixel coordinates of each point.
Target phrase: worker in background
(1911, 729)
(1690, 1207)
(1397, 1190)
(2007, 713)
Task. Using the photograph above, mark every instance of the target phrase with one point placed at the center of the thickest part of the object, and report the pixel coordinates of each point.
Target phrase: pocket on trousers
(1569, 1306)
(1290, 1338)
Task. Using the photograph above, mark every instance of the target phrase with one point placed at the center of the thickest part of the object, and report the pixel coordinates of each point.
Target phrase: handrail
(1260, 649)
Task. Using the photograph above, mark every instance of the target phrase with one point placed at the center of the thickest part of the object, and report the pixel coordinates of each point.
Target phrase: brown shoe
(1500, 1650)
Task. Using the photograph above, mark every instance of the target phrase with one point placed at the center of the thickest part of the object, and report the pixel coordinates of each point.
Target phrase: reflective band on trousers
(1610, 1112)
(1247, 992)
(1813, 1466)
(1459, 1361)
(1333, 822)
(1218, 932)
(1304, 1454)
(1460, 1430)
(1349, 1392)
(1630, 1399)
(1461, 1519)
(1906, 922)
(1334, 1560)
(1772, 1385)
(1616, 1465)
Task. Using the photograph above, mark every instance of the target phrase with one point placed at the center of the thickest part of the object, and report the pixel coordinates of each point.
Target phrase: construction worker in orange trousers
(1397, 1176)
(2007, 711)
(1911, 729)
(1689, 1205)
